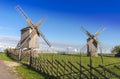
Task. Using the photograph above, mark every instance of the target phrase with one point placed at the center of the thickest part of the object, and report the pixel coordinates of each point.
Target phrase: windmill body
(31, 43)
(92, 47)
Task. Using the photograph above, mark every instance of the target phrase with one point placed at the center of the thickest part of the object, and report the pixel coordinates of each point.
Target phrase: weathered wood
(101, 73)
(65, 69)
(60, 67)
(30, 60)
(54, 67)
(29, 38)
(117, 67)
(88, 71)
(76, 72)
(79, 70)
(49, 67)
(114, 74)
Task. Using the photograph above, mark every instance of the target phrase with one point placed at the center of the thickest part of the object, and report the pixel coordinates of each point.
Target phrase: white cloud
(10, 41)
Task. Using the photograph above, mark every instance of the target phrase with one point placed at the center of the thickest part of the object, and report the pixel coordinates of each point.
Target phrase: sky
(65, 18)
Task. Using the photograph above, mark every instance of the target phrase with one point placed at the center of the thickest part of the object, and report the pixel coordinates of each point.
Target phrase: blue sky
(65, 18)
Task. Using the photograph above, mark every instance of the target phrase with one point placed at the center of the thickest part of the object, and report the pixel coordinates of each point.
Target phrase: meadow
(85, 60)
(109, 62)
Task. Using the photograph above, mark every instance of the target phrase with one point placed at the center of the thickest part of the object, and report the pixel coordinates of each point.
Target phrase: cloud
(66, 45)
(8, 42)
(11, 42)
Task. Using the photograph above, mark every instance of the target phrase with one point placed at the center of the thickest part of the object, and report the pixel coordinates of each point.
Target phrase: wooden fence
(64, 69)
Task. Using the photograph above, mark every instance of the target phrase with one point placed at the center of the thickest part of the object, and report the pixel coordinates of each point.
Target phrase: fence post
(91, 67)
(52, 64)
(30, 58)
(64, 71)
(19, 54)
(57, 70)
(80, 66)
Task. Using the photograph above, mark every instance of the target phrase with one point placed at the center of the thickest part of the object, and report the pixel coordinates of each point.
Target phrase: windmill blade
(30, 23)
(38, 25)
(86, 32)
(41, 21)
(48, 43)
(99, 31)
(100, 45)
(19, 9)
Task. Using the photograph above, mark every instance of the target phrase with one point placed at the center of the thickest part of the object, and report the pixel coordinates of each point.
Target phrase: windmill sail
(86, 32)
(48, 43)
(98, 32)
(19, 9)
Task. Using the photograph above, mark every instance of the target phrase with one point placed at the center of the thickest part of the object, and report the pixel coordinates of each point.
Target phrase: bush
(116, 50)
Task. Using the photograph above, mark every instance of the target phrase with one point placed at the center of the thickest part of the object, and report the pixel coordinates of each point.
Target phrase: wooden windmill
(30, 34)
(92, 42)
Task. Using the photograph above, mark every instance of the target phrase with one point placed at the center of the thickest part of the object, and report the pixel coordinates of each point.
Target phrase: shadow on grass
(46, 76)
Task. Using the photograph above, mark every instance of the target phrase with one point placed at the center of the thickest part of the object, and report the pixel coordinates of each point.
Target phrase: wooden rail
(109, 71)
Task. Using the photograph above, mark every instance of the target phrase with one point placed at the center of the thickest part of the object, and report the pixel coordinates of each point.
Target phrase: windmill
(92, 42)
(30, 34)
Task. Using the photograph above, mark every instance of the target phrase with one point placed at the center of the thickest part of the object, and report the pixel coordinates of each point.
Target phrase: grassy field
(28, 73)
(85, 60)
(109, 61)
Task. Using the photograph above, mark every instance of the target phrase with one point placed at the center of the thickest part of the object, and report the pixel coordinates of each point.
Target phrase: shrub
(116, 50)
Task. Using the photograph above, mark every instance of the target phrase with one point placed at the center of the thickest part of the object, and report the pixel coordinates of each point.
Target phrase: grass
(3, 56)
(109, 62)
(28, 73)
(85, 60)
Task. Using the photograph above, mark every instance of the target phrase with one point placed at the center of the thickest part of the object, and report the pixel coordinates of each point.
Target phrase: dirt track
(5, 71)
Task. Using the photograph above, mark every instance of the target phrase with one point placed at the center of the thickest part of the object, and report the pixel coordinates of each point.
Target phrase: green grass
(85, 60)
(3, 56)
(27, 73)
(109, 62)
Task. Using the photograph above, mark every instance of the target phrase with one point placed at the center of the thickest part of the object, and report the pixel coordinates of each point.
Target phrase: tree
(116, 50)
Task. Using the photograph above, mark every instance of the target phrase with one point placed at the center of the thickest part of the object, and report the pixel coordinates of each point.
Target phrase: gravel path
(7, 70)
